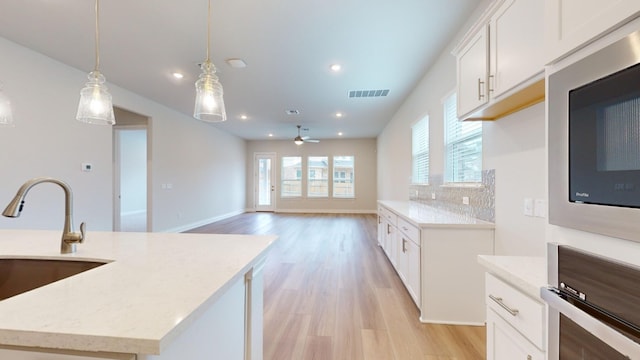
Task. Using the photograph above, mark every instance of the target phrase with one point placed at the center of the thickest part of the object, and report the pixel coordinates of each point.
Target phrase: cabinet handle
(404, 245)
(480, 94)
(405, 228)
(498, 300)
(388, 229)
(492, 82)
(379, 219)
(529, 357)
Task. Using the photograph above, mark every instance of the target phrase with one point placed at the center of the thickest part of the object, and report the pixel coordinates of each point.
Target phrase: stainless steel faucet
(69, 238)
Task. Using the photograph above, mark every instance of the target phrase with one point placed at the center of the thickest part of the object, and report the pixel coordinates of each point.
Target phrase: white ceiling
(288, 46)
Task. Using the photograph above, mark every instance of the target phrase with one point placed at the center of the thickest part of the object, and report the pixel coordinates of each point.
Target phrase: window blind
(463, 146)
(420, 151)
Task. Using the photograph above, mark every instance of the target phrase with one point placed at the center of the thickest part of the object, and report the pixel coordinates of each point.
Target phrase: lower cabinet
(515, 323)
(504, 342)
(437, 264)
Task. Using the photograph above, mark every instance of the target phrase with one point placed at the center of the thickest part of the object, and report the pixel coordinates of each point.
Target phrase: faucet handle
(83, 228)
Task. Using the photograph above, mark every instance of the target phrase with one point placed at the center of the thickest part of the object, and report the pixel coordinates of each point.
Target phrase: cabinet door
(572, 23)
(472, 65)
(506, 343)
(402, 265)
(393, 245)
(413, 270)
(516, 43)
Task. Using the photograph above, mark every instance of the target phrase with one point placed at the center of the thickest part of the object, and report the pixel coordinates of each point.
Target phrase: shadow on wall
(450, 196)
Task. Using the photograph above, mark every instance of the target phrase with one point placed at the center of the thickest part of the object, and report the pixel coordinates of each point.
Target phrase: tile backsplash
(450, 197)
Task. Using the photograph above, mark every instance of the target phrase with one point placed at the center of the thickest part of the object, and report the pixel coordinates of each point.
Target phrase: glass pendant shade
(6, 116)
(95, 105)
(209, 105)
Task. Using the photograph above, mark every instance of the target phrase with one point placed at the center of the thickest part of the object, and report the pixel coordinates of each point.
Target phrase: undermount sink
(21, 275)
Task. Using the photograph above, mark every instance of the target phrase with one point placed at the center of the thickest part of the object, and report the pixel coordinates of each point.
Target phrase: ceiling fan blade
(311, 140)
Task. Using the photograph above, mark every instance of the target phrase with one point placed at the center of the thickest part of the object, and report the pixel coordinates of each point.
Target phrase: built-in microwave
(593, 100)
(604, 140)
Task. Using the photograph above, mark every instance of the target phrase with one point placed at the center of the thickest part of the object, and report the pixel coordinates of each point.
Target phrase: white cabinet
(408, 255)
(571, 24)
(505, 343)
(515, 323)
(500, 62)
(472, 67)
(437, 264)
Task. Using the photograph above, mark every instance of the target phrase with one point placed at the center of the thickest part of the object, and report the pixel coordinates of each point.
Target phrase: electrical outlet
(465, 200)
(433, 196)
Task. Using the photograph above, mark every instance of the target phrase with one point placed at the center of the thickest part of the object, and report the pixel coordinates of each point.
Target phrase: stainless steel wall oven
(594, 306)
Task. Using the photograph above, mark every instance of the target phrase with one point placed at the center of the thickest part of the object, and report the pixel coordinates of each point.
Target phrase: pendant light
(6, 117)
(95, 101)
(209, 105)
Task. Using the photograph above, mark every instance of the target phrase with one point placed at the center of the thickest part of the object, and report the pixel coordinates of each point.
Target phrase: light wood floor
(330, 293)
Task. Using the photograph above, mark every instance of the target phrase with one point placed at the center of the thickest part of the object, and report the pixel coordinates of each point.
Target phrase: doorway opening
(131, 160)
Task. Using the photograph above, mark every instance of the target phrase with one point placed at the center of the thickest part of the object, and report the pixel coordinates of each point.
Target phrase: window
(318, 184)
(420, 151)
(291, 176)
(463, 146)
(343, 177)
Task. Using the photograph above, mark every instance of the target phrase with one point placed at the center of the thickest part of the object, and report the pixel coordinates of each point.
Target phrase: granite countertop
(527, 273)
(426, 216)
(154, 286)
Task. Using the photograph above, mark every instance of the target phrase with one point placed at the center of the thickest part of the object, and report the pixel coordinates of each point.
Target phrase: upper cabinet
(500, 61)
(571, 24)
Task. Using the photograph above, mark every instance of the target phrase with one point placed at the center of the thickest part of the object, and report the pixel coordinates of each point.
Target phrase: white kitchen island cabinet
(437, 261)
(159, 297)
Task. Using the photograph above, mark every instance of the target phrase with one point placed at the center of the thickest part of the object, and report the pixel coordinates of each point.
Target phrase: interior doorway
(131, 203)
(264, 181)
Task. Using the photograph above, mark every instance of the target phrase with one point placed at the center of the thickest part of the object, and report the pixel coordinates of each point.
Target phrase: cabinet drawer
(390, 216)
(522, 312)
(410, 231)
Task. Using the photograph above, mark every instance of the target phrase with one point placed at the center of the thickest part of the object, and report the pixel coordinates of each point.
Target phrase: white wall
(514, 146)
(205, 165)
(364, 151)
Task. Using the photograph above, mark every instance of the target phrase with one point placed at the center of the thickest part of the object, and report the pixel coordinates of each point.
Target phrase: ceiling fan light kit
(299, 140)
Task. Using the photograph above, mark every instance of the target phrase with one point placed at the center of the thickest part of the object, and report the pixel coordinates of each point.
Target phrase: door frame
(256, 182)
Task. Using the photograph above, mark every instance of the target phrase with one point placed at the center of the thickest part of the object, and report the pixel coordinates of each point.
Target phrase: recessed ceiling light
(244, 117)
(178, 75)
(340, 133)
(270, 135)
(335, 67)
(338, 114)
(236, 63)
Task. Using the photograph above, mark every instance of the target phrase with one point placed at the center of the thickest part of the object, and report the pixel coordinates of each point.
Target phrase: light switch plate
(528, 207)
(540, 208)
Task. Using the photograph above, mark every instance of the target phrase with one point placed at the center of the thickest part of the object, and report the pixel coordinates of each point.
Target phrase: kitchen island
(159, 296)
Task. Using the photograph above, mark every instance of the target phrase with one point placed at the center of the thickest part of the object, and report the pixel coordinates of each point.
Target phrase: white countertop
(155, 285)
(527, 273)
(425, 216)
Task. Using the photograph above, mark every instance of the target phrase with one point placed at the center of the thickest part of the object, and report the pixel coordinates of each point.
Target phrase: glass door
(265, 181)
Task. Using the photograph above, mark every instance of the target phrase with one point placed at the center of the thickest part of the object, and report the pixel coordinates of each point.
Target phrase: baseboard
(204, 222)
(326, 211)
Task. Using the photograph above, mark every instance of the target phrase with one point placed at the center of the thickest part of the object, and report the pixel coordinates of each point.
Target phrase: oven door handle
(607, 334)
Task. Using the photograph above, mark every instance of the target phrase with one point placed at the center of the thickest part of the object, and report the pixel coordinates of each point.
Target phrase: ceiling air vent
(368, 93)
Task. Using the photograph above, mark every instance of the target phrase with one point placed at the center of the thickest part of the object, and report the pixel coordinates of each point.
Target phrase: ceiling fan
(299, 140)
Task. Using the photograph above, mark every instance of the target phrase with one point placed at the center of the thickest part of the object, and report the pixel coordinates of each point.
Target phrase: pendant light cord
(97, 36)
(208, 29)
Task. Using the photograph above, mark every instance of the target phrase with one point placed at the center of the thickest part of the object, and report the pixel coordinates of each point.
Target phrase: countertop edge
(403, 209)
(527, 273)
